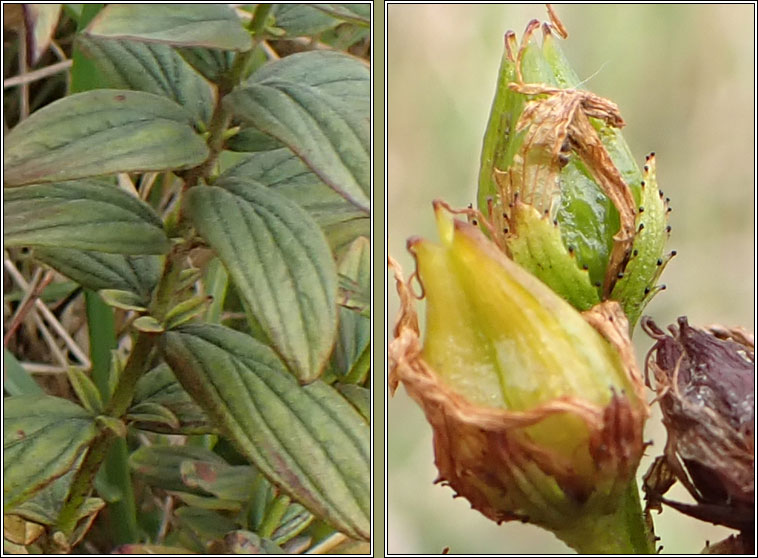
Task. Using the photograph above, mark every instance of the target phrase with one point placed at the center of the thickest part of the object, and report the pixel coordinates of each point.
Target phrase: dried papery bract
(705, 381)
(537, 416)
(559, 189)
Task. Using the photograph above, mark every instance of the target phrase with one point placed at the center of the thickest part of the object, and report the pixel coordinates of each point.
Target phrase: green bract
(559, 188)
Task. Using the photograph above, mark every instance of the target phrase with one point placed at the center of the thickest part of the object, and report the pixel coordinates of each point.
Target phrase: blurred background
(683, 77)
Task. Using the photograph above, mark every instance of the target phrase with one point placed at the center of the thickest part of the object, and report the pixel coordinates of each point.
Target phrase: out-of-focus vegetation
(683, 78)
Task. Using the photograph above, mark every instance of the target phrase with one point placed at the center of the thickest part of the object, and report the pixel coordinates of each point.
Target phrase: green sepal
(538, 247)
(646, 262)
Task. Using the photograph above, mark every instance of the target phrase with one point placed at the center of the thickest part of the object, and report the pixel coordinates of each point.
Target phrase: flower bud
(559, 188)
(537, 416)
(705, 380)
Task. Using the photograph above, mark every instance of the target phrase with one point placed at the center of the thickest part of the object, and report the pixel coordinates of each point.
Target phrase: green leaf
(186, 310)
(354, 335)
(113, 424)
(359, 397)
(286, 173)
(252, 140)
(148, 324)
(17, 380)
(295, 520)
(360, 14)
(85, 390)
(43, 508)
(215, 283)
(317, 105)
(212, 63)
(207, 25)
(306, 439)
(206, 524)
(160, 549)
(224, 481)
(159, 387)
(153, 413)
(247, 542)
(98, 270)
(281, 264)
(101, 132)
(125, 300)
(45, 505)
(300, 19)
(42, 438)
(160, 466)
(41, 21)
(84, 214)
(150, 67)
(341, 77)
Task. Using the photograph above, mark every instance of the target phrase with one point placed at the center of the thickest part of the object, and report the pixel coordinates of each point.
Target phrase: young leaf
(295, 520)
(280, 263)
(125, 300)
(322, 118)
(113, 424)
(99, 270)
(159, 387)
(148, 324)
(354, 335)
(42, 437)
(186, 310)
(83, 214)
(101, 132)
(150, 67)
(153, 413)
(306, 439)
(207, 25)
(85, 390)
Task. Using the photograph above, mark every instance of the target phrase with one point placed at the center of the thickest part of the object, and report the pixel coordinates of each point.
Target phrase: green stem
(139, 358)
(622, 532)
(93, 458)
(122, 513)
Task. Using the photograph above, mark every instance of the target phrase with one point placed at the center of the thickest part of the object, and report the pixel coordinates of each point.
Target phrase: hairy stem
(139, 358)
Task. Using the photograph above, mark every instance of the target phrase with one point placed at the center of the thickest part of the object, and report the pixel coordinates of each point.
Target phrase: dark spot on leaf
(120, 97)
